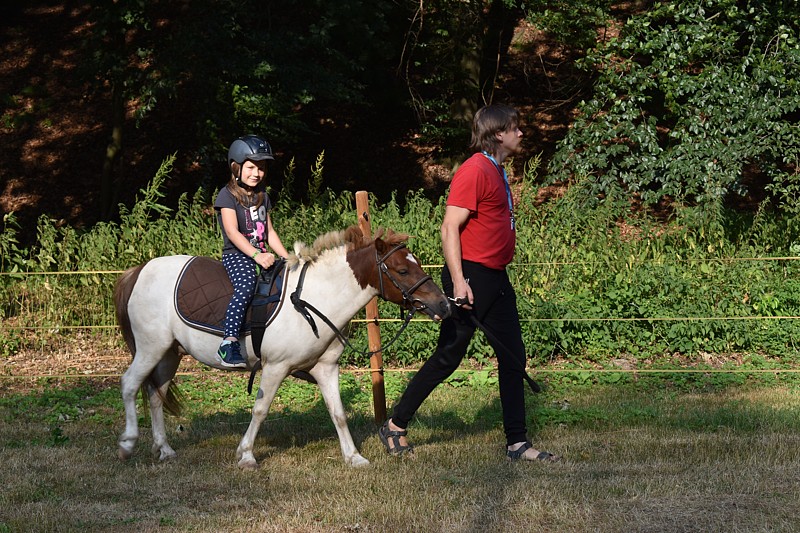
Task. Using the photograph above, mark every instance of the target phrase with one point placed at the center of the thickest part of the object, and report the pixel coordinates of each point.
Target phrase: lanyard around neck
(502, 172)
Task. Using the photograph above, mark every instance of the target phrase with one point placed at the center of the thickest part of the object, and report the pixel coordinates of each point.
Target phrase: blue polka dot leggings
(242, 273)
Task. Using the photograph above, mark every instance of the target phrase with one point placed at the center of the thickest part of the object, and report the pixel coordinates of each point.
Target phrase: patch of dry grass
(635, 460)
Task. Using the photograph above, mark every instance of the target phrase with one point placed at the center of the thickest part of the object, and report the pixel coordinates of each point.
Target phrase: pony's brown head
(390, 267)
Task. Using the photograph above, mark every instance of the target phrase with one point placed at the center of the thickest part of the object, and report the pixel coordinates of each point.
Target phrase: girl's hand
(265, 259)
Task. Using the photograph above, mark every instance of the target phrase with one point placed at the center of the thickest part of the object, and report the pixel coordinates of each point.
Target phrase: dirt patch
(78, 354)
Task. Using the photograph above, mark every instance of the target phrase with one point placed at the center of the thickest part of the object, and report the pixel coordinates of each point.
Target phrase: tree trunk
(501, 21)
(480, 61)
(467, 88)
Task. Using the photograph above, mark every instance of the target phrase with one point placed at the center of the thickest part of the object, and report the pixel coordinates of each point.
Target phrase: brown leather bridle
(414, 303)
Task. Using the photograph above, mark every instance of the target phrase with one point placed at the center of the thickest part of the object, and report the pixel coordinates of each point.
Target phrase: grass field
(639, 455)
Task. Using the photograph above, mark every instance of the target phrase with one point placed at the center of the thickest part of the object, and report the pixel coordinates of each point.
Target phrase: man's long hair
(488, 122)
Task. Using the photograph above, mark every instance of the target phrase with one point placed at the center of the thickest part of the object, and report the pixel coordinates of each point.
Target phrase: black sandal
(387, 435)
(518, 454)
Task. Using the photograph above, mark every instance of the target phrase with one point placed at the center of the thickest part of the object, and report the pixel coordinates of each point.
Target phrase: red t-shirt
(486, 237)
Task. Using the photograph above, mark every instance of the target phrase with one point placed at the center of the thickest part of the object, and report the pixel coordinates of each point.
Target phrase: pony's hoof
(167, 455)
(125, 450)
(358, 461)
(164, 452)
(248, 463)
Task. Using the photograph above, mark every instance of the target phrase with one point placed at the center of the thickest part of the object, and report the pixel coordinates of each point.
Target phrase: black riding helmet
(250, 147)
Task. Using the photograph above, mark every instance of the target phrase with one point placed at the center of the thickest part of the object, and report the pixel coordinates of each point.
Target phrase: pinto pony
(338, 275)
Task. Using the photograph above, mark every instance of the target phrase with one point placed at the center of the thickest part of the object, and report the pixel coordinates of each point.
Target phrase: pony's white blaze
(411, 259)
(144, 299)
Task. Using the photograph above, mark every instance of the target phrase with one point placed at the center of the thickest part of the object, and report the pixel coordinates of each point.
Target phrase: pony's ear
(354, 235)
(381, 242)
(386, 241)
(393, 238)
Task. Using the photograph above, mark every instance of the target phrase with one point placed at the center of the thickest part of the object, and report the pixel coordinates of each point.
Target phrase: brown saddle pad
(202, 294)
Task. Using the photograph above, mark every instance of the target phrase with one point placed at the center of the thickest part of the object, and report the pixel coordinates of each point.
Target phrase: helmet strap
(239, 181)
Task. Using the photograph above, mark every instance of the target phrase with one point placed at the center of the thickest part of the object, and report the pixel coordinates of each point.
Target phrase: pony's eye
(403, 272)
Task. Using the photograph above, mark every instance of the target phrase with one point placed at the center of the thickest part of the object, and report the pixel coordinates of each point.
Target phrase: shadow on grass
(460, 476)
(288, 425)
(740, 406)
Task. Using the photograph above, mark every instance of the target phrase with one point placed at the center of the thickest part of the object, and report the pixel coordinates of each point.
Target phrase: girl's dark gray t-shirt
(252, 221)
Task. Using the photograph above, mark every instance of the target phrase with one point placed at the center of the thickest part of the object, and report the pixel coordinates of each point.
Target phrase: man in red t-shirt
(478, 239)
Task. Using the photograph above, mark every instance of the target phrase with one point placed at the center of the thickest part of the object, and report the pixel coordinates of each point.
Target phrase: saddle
(203, 291)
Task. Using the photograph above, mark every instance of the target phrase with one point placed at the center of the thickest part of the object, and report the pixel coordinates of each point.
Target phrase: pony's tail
(122, 293)
(172, 400)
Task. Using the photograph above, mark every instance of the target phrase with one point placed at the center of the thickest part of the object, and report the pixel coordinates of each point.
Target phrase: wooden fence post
(373, 328)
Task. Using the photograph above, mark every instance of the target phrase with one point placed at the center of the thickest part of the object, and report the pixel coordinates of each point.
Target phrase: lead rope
(535, 387)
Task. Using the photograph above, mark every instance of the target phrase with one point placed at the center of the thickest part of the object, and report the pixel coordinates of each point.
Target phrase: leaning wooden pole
(373, 328)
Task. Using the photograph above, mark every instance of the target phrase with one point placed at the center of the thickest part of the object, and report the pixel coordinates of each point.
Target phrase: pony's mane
(350, 238)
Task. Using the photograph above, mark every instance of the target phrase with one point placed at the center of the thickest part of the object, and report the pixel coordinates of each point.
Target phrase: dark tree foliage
(694, 101)
(578, 23)
(455, 54)
(451, 57)
(235, 66)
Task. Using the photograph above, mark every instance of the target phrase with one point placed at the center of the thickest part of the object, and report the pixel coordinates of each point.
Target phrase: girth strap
(300, 305)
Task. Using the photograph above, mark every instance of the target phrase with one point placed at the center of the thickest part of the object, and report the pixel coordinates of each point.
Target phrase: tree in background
(117, 65)
(451, 57)
(577, 23)
(694, 101)
(273, 67)
(455, 53)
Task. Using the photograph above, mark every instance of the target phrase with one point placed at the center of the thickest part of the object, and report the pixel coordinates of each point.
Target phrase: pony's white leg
(133, 378)
(271, 378)
(327, 376)
(160, 444)
(162, 376)
(131, 382)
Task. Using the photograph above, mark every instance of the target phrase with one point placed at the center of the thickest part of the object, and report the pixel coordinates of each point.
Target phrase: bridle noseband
(383, 270)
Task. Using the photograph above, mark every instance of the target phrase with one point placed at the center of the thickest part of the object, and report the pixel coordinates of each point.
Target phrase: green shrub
(692, 102)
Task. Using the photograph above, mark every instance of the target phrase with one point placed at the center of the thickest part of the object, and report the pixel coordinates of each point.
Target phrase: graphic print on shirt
(256, 226)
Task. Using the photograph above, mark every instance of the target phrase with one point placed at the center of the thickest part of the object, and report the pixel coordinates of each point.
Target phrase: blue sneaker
(231, 355)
